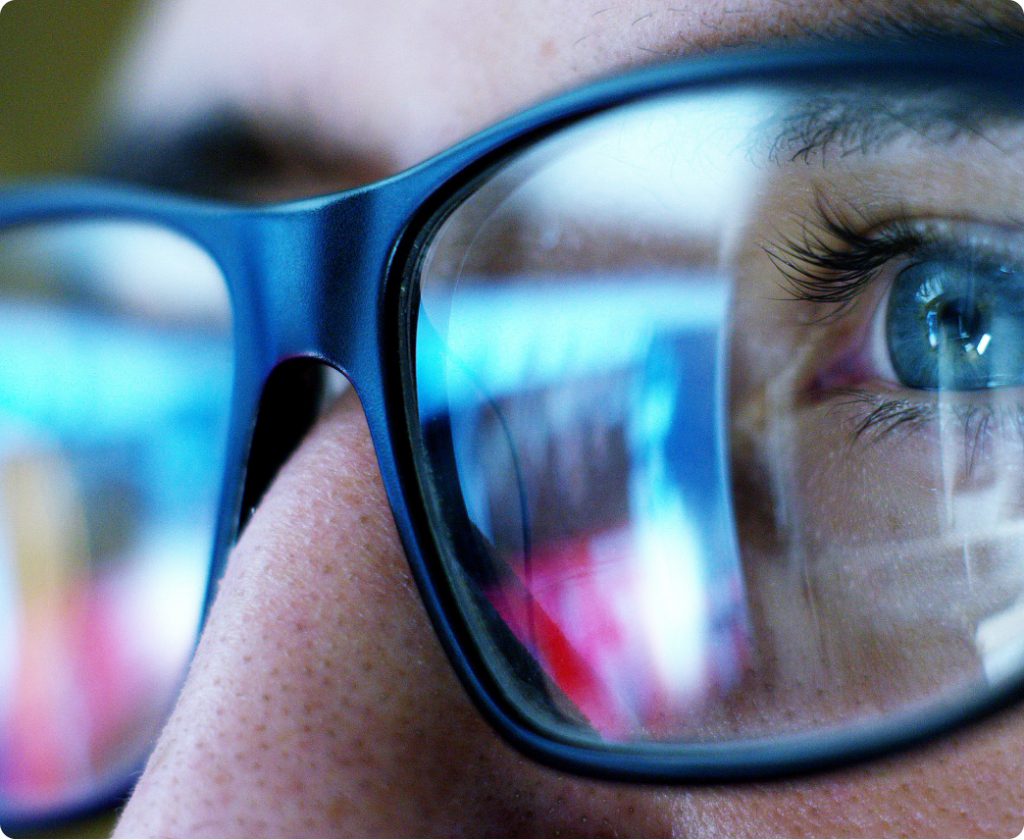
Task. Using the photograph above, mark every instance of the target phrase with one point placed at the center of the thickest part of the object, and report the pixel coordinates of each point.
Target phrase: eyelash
(835, 273)
(885, 417)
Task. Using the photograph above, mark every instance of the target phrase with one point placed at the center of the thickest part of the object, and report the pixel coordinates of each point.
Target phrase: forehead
(397, 80)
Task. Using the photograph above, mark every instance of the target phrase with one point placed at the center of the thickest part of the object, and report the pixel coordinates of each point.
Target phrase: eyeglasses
(696, 395)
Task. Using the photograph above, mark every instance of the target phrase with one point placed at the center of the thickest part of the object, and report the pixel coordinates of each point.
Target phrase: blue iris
(957, 326)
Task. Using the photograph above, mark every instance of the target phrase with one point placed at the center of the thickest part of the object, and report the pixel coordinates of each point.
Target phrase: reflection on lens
(581, 420)
(720, 413)
(115, 378)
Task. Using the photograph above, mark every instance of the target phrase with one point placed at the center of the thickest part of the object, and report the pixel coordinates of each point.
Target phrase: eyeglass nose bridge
(321, 266)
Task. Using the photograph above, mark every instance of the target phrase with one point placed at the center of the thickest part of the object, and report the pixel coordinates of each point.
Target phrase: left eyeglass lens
(115, 380)
(721, 412)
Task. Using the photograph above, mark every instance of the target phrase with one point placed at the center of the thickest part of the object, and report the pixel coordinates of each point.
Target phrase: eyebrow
(226, 155)
(847, 122)
(212, 157)
(223, 155)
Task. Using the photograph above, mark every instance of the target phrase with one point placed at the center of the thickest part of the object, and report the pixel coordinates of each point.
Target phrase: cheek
(879, 571)
(970, 786)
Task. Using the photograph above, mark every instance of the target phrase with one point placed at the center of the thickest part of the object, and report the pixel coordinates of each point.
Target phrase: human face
(319, 701)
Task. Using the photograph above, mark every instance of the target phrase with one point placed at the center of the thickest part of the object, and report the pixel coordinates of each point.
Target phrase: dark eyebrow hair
(226, 155)
(992, 22)
(921, 24)
(213, 157)
(223, 155)
(845, 121)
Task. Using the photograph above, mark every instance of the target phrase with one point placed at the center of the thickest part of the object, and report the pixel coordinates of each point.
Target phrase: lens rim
(746, 759)
(82, 203)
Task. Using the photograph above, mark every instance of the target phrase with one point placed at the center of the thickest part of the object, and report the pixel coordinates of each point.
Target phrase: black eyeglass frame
(333, 278)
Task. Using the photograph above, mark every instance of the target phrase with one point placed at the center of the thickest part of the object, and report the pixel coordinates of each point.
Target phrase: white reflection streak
(672, 596)
(9, 619)
(163, 594)
(949, 453)
(968, 571)
(1000, 643)
(782, 445)
(937, 598)
(693, 175)
(999, 638)
(146, 268)
(978, 516)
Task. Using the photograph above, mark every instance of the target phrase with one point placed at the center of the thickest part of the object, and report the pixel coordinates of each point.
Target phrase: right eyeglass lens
(721, 402)
(116, 368)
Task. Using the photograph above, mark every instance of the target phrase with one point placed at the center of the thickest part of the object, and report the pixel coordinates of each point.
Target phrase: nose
(319, 701)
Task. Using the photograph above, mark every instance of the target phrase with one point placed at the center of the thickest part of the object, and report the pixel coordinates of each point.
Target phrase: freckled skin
(320, 695)
(320, 702)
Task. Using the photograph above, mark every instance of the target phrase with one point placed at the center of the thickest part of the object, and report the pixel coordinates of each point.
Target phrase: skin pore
(320, 702)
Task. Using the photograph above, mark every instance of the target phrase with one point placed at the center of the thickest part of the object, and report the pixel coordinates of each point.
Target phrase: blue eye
(957, 326)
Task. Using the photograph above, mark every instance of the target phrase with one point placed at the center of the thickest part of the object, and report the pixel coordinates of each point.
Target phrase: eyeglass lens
(721, 414)
(115, 381)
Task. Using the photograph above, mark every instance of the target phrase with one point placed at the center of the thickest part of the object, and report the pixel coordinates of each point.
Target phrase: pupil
(956, 321)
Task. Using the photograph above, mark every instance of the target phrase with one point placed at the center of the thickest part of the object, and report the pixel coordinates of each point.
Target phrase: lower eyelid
(874, 417)
(973, 424)
(856, 356)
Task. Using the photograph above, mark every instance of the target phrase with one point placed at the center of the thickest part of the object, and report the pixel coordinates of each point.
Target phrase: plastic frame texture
(331, 278)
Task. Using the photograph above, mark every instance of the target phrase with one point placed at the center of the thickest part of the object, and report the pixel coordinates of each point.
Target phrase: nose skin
(320, 702)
